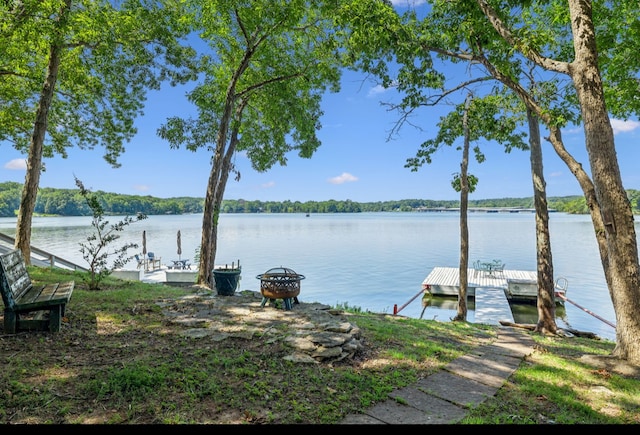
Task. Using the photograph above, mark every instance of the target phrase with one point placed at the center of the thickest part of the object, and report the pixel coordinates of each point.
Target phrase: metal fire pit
(280, 283)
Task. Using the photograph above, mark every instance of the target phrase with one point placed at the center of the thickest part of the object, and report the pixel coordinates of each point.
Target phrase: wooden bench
(22, 298)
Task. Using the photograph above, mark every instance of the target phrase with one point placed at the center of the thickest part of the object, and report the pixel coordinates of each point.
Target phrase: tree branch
(526, 50)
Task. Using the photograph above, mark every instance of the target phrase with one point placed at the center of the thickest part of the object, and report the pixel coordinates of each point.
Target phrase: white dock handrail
(40, 256)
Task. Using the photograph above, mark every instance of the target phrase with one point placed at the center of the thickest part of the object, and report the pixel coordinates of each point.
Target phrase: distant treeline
(69, 202)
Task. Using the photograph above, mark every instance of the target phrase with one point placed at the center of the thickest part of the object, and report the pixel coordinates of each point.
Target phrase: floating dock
(445, 281)
(491, 292)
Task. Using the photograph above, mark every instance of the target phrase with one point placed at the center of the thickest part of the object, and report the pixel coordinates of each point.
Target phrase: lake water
(368, 260)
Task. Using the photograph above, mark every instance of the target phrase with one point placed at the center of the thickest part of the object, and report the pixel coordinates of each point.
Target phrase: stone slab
(421, 408)
(482, 368)
(456, 389)
(497, 356)
(360, 419)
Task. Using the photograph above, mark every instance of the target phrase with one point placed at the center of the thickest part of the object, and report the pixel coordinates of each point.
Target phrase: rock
(303, 344)
(316, 332)
(300, 358)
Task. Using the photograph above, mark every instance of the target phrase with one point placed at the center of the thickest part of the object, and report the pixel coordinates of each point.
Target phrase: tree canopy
(111, 55)
(270, 63)
(555, 45)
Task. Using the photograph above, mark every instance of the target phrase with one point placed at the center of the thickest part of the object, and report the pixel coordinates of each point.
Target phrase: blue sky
(357, 160)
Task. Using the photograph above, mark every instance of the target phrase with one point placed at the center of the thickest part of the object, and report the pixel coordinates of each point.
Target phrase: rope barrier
(563, 297)
(395, 306)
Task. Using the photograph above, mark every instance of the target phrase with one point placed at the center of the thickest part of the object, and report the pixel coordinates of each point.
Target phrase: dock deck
(445, 281)
(492, 306)
(488, 290)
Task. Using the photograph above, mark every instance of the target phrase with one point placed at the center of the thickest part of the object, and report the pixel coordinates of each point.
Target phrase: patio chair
(153, 260)
(139, 260)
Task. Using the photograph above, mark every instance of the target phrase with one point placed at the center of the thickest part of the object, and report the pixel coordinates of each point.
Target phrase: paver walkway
(446, 396)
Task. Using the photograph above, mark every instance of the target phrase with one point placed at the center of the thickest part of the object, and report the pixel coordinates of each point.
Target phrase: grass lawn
(118, 360)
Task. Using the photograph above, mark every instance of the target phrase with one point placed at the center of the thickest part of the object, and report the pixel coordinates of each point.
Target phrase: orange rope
(395, 307)
(561, 296)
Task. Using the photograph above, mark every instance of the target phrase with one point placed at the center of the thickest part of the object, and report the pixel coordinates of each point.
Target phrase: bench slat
(15, 279)
(45, 297)
(20, 296)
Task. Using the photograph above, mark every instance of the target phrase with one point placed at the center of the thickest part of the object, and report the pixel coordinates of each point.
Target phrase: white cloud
(376, 90)
(617, 125)
(268, 185)
(345, 177)
(620, 126)
(141, 187)
(379, 89)
(16, 164)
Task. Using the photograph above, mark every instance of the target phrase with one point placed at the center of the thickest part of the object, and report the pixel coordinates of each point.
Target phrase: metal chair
(476, 268)
(497, 268)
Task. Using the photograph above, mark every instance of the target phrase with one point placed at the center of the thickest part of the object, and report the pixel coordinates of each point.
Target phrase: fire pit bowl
(280, 283)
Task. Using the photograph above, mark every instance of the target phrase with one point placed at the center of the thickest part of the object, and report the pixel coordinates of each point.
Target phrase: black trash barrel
(226, 280)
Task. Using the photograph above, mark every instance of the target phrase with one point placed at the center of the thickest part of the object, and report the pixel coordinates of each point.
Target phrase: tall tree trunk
(461, 314)
(215, 191)
(606, 198)
(211, 212)
(219, 196)
(208, 216)
(555, 138)
(624, 277)
(34, 160)
(546, 301)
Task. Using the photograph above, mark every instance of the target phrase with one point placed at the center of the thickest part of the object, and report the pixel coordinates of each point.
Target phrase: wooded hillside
(68, 202)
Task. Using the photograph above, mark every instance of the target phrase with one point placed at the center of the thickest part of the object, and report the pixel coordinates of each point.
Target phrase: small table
(181, 264)
(490, 267)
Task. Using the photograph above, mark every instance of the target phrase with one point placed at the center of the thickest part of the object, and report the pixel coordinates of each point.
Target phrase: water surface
(368, 260)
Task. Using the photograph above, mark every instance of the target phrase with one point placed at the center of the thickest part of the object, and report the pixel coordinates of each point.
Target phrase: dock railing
(40, 256)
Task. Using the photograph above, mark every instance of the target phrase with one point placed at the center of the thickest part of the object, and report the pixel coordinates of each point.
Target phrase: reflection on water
(447, 303)
(522, 312)
(528, 313)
